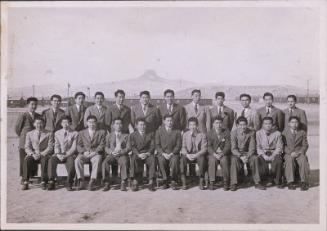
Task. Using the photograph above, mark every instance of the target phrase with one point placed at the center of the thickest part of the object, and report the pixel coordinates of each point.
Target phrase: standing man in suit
(148, 111)
(38, 148)
(142, 145)
(222, 111)
(116, 149)
(76, 112)
(91, 143)
(52, 116)
(293, 110)
(174, 109)
(296, 146)
(219, 148)
(194, 150)
(246, 111)
(271, 111)
(269, 149)
(64, 152)
(23, 125)
(197, 110)
(119, 110)
(243, 152)
(168, 145)
(100, 111)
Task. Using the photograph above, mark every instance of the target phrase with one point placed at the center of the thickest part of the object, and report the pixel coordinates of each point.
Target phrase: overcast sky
(247, 46)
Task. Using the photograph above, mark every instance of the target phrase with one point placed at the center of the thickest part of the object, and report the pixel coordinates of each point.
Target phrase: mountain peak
(149, 75)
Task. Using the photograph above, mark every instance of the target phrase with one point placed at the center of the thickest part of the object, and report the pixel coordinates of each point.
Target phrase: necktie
(196, 108)
(193, 144)
(39, 136)
(79, 113)
(219, 111)
(170, 108)
(291, 112)
(243, 112)
(54, 116)
(65, 139)
(268, 111)
(118, 143)
(144, 109)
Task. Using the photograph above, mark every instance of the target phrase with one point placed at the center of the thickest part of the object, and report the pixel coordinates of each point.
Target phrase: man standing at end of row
(293, 110)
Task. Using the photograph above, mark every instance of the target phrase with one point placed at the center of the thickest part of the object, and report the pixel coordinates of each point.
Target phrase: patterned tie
(196, 108)
(65, 139)
(243, 112)
(193, 144)
(219, 112)
(268, 111)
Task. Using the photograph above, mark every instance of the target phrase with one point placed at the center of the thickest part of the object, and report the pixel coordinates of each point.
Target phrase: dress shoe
(91, 185)
(25, 185)
(233, 187)
(260, 186)
(226, 187)
(281, 186)
(165, 185)
(80, 185)
(151, 186)
(69, 187)
(51, 185)
(183, 179)
(291, 186)
(106, 187)
(211, 185)
(123, 186)
(174, 185)
(201, 184)
(304, 186)
(135, 186)
(43, 185)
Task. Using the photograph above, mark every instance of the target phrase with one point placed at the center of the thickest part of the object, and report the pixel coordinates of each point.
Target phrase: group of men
(269, 142)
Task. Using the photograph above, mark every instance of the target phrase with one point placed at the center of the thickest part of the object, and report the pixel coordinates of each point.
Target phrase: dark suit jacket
(178, 113)
(111, 143)
(243, 145)
(124, 113)
(23, 125)
(141, 144)
(224, 142)
(52, 124)
(300, 114)
(299, 143)
(276, 114)
(152, 117)
(77, 121)
(97, 144)
(228, 116)
(168, 142)
(102, 117)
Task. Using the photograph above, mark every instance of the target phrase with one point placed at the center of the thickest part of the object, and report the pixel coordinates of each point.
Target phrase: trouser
(22, 155)
(29, 165)
(166, 165)
(200, 160)
(237, 169)
(212, 169)
(69, 164)
(81, 160)
(137, 166)
(122, 161)
(290, 166)
(276, 168)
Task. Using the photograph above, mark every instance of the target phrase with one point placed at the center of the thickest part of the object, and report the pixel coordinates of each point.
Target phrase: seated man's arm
(28, 145)
(73, 148)
(49, 148)
(178, 145)
(204, 146)
(234, 146)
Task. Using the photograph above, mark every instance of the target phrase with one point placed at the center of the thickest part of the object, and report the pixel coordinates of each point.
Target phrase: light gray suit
(201, 115)
(103, 116)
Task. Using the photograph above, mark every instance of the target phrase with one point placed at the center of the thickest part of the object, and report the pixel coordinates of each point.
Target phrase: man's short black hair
(31, 99)
(66, 117)
(39, 118)
(145, 93)
(196, 91)
(117, 118)
(55, 96)
(220, 93)
(167, 116)
(268, 94)
(93, 117)
(140, 119)
(294, 117)
(217, 118)
(119, 91)
(98, 93)
(268, 118)
(193, 119)
(292, 96)
(169, 91)
(78, 94)
(241, 119)
(245, 95)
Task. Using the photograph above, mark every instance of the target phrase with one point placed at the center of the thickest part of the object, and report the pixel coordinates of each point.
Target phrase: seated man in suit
(296, 146)
(38, 148)
(219, 148)
(52, 116)
(222, 111)
(24, 125)
(64, 152)
(142, 145)
(243, 152)
(197, 110)
(77, 111)
(120, 110)
(117, 149)
(269, 149)
(293, 110)
(91, 143)
(194, 150)
(100, 111)
(174, 109)
(271, 111)
(168, 145)
(148, 111)
(246, 111)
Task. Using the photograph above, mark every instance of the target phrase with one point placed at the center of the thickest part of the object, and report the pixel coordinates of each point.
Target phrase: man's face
(120, 99)
(92, 123)
(141, 126)
(196, 97)
(38, 124)
(218, 124)
(144, 99)
(268, 101)
(245, 102)
(99, 100)
(267, 125)
(294, 124)
(79, 100)
(118, 125)
(55, 102)
(242, 126)
(32, 106)
(220, 100)
(291, 102)
(192, 126)
(169, 98)
(168, 122)
(65, 124)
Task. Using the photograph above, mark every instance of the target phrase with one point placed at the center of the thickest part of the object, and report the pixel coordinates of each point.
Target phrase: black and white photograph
(163, 115)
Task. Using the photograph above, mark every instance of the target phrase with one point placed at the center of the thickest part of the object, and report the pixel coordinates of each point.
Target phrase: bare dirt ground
(246, 205)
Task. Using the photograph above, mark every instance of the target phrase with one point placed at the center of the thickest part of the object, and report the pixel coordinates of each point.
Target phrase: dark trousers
(166, 165)
(122, 161)
(29, 166)
(237, 169)
(201, 161)
(69, 164)
(212, 169)
(137, 165)
(276, 169)
(290, 167)
(22, 155)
